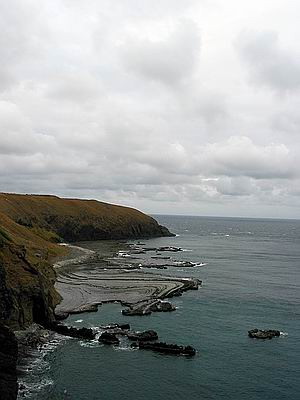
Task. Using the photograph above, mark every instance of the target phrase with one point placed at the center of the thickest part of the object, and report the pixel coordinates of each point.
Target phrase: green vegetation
(4, 237)
(49, 236)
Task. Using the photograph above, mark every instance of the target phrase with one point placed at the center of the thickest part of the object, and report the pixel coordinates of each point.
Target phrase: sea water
(250, 280)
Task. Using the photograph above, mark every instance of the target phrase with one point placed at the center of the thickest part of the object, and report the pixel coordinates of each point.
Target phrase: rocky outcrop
(263, 334)
(143, 336)
(80, 333)
(147, 307)
(166, 348)
(109, 338)
(27, 293)
(8, 364)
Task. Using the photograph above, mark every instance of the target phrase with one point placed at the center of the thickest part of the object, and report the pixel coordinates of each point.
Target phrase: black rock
(263, 334)
(165, 348)
(108, 338)
(143, 336)
(81, 333)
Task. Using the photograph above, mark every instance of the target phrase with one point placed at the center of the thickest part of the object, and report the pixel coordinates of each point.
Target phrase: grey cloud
(121, 101)
(268, 61)
(239, 156)
(168, 60)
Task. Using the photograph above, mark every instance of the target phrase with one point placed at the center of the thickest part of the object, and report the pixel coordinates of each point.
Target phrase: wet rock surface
(263, 334)
(109, 338)
(143, 336)
(147, 307)
(81, 333)
(162, 347)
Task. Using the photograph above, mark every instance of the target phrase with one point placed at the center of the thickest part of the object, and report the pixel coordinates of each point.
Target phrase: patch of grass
(4, 237)
(50, 236)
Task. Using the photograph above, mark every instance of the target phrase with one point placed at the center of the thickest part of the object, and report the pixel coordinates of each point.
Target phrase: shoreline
(85, 282)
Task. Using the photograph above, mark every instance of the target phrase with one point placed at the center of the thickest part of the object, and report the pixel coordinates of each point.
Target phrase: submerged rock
(263, 334)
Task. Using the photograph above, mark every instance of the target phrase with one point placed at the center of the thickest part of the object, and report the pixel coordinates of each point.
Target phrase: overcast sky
(169, 106)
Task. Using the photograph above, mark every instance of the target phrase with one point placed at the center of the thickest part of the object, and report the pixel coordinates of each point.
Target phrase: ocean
(250, 280)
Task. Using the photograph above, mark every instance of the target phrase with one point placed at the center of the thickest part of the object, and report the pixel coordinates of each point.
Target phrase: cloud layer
(166, 105)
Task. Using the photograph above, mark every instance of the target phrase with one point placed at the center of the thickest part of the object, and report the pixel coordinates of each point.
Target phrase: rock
(143, 336)
(108, 338)
(163, 306)
(61, 315)
(169, 248)
(8, 364)
(162, 347)
(136, 311)
(117, 329)
(80, 333)
(124, 326)
(34, 337)
(263, 334)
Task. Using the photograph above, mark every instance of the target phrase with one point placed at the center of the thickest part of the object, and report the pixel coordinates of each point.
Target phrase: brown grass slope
(31, 226)
(74, 219)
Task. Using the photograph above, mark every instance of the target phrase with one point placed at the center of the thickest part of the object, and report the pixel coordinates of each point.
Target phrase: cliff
(8, 364)
(30, 228)
(26, 277)
(74, 219)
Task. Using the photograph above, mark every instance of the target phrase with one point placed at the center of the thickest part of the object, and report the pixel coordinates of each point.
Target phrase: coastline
(87, 279)
(79, 271)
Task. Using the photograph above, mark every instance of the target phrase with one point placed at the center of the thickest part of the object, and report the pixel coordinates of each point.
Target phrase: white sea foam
(283, 334)
(30, 382)
(78, 321)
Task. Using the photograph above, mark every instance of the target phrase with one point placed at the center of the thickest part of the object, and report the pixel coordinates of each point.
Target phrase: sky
(169, 106)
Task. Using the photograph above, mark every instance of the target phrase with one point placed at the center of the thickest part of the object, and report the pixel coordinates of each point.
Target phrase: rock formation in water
(263, 334)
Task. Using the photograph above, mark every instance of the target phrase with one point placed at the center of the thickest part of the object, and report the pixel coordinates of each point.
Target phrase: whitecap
(78, 321)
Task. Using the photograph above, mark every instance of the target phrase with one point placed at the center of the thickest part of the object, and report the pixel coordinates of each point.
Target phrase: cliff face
(31, 226)
(8, 363)
(26, 276)
(74, 220)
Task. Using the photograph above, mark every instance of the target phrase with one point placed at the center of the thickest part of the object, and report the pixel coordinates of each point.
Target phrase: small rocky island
(263, 334)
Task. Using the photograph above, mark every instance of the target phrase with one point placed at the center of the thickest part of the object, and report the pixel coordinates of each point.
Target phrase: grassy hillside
(30, 229)
(73, 219)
